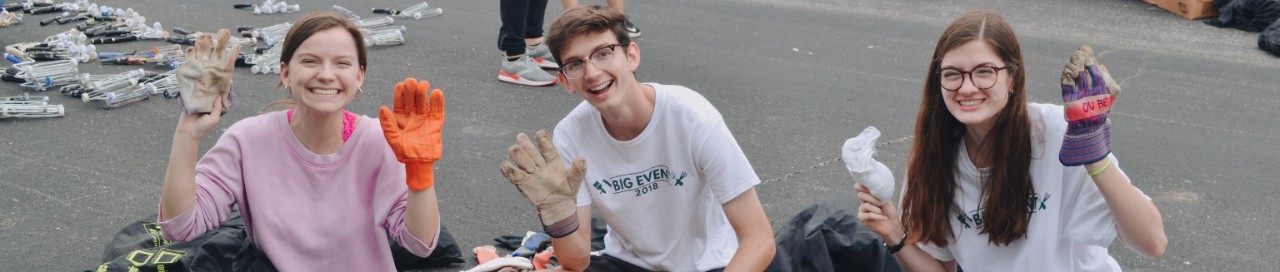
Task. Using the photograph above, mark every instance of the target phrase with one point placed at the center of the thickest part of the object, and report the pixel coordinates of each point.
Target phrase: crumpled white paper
(859, 158)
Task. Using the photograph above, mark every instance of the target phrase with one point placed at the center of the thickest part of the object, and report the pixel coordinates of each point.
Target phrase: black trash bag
(141, 246)
(1269, 40)
(827, 236)
(1247, 15)
(511, 241)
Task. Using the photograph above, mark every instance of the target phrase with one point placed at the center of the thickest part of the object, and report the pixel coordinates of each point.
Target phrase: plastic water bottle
(346, 12)
(428, 13)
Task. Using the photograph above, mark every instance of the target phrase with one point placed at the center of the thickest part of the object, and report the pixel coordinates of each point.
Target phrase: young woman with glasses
(997, 184)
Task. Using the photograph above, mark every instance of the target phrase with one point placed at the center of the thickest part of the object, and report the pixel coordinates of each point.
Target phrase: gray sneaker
(541, 56)
(632, 30)
(524, 72)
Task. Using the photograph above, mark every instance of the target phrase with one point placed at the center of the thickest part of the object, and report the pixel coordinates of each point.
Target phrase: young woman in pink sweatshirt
(320, 188)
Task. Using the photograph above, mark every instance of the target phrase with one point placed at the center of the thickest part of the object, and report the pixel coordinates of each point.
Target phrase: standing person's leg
(517, 67)
(568, 4)
(618, 6)
(511, 36)
(538, 52)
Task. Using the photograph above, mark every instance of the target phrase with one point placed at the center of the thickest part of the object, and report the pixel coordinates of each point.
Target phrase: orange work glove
(413, 130)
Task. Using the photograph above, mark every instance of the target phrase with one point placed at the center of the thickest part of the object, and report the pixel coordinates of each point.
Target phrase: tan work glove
(206, 72)
(540, 175)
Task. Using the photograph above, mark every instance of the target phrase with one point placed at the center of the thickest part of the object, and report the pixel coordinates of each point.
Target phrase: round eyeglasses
(983, 77)
(600, 58)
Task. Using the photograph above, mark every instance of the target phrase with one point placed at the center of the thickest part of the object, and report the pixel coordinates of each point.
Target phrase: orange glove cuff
(419, 175)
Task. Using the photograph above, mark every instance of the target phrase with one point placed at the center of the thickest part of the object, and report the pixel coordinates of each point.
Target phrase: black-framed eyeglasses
(600, 58)
(983, 77)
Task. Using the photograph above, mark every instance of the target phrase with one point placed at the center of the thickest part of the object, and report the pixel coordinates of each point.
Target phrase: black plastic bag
(827, 236)
(1247, 15)
(141, 246)
(1269, 40)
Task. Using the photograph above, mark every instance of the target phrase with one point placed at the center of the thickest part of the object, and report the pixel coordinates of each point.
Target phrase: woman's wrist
(1096, 168)
(182, 137)
(894, 243)
(894, 236)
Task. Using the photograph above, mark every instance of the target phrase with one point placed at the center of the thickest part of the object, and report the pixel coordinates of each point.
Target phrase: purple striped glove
(1089, 91)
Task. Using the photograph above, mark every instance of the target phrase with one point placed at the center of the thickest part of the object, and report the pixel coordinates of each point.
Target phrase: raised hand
(539, 174)
(205, 74)
(413, 130)
(880, 217)
(1089, 91)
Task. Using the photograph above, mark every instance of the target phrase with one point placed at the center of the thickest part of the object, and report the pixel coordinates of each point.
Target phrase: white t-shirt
(1071, 225)
(661, 193)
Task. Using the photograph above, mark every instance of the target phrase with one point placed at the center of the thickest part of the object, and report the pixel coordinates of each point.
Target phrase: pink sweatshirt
(307, 212)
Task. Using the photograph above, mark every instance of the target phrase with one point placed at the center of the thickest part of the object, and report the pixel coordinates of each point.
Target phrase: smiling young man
(668, 177)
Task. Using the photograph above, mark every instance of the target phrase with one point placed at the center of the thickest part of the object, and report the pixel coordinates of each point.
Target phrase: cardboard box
(1190, 9)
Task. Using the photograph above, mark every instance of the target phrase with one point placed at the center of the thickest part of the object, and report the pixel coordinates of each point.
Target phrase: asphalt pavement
(1196, 127)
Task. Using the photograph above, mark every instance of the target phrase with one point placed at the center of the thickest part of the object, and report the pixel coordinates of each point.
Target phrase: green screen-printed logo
(639, 183)
(973, 219)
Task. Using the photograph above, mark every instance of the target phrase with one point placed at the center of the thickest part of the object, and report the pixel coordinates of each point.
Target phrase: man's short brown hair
(583, 20)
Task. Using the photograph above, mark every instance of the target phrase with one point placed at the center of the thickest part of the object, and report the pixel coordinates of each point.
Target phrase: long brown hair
(306, 27)
(931, 181)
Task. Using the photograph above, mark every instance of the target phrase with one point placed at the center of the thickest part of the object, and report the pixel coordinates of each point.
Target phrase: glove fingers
(229, 60)
(1082, 81)
(1091, 78)
(513, 173)
(203, 44)
(547, 148)
(435, 112)
(390, 129)
(535, 156)
(419, 101)
(219, 49)
(401, 100)
(1068, 83)
(1077, 66)
(521, 156)
(190, 56)
(576, 172)
(423, 84)
(1112, 86)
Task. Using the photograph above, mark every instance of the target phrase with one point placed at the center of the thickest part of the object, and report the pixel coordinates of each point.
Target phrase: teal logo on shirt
(640, 183)
(973, 219)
